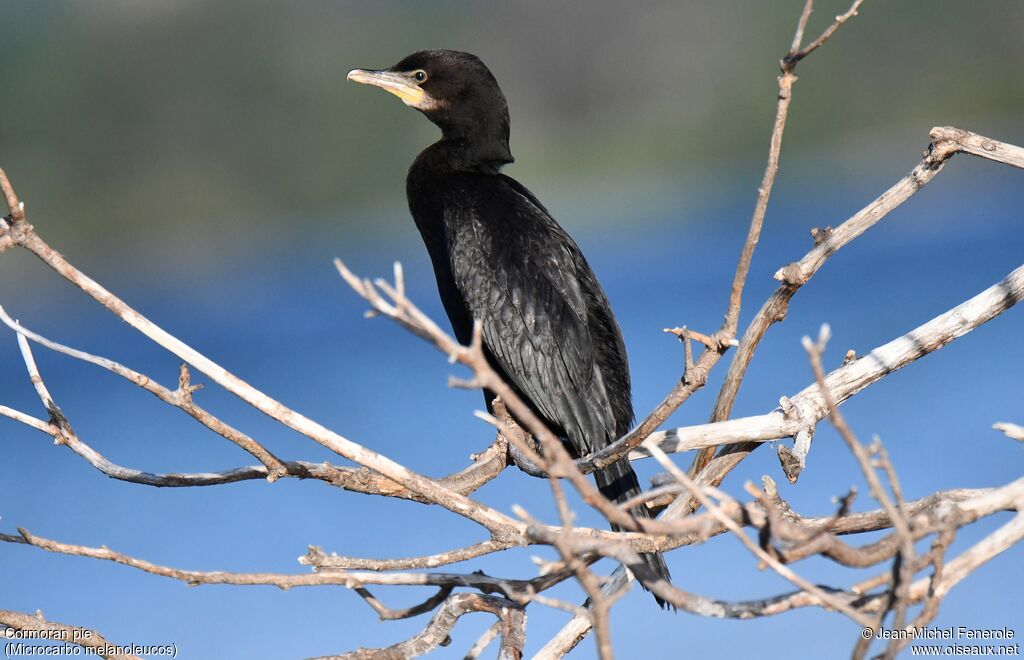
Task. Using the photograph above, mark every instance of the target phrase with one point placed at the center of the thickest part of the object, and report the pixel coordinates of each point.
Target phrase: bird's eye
(420, 76)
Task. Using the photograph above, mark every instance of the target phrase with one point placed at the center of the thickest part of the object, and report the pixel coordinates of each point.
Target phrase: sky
(207, 161)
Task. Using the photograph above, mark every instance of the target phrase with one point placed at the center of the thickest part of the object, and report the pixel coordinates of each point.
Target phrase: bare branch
(348, 579)
(940, 513)
(57, 417)
(483, 642)
(806, 408)
(930, 514)
(698, 492)
(785, 96)
(388, 614)
(512, 622)
(316, 558)
(797, 55)
(28, 420)
(945, 143)
(180, 398)
(979, 145)
(25, 236)
(488, 465)
(896, 512)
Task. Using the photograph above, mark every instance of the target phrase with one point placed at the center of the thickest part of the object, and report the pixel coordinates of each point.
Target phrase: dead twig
(511, 627)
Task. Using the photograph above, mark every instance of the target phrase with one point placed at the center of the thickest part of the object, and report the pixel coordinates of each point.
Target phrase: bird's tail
(618, 483)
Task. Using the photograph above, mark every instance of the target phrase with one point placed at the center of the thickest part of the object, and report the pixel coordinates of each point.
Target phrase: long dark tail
(618, 483)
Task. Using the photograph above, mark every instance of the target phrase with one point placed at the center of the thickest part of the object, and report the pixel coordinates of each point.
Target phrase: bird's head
(455, 90)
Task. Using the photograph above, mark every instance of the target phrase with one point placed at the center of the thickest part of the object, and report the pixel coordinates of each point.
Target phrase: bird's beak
(398, 84)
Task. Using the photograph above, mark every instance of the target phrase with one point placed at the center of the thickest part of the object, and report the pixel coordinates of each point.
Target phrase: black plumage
(500, 258)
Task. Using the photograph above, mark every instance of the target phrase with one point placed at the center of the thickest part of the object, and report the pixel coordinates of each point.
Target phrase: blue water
(281, 318)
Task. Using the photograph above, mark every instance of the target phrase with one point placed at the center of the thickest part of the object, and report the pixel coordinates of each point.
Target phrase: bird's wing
(520, 275)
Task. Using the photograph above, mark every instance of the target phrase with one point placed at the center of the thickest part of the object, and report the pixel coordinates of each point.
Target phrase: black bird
(501, 259)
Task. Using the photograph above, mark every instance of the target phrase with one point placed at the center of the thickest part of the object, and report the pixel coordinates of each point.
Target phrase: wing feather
(519, 274)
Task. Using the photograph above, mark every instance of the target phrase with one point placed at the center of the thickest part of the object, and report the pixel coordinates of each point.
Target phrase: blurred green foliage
(131, 117)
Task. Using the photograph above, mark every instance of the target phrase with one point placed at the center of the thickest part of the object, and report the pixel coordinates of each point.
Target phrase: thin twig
(388, 614)
(317, 559)
(897, 514)
(481, 644)
(180, 398)
(784, 571)
(797, 55)
(511, 618)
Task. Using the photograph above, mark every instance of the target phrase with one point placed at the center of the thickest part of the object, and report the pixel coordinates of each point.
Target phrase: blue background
(206, 162)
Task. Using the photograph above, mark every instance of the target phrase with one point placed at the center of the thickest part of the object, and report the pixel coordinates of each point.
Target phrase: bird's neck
(478, 153)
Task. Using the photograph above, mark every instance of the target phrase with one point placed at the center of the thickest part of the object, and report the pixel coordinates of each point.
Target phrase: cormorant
(501, 259)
